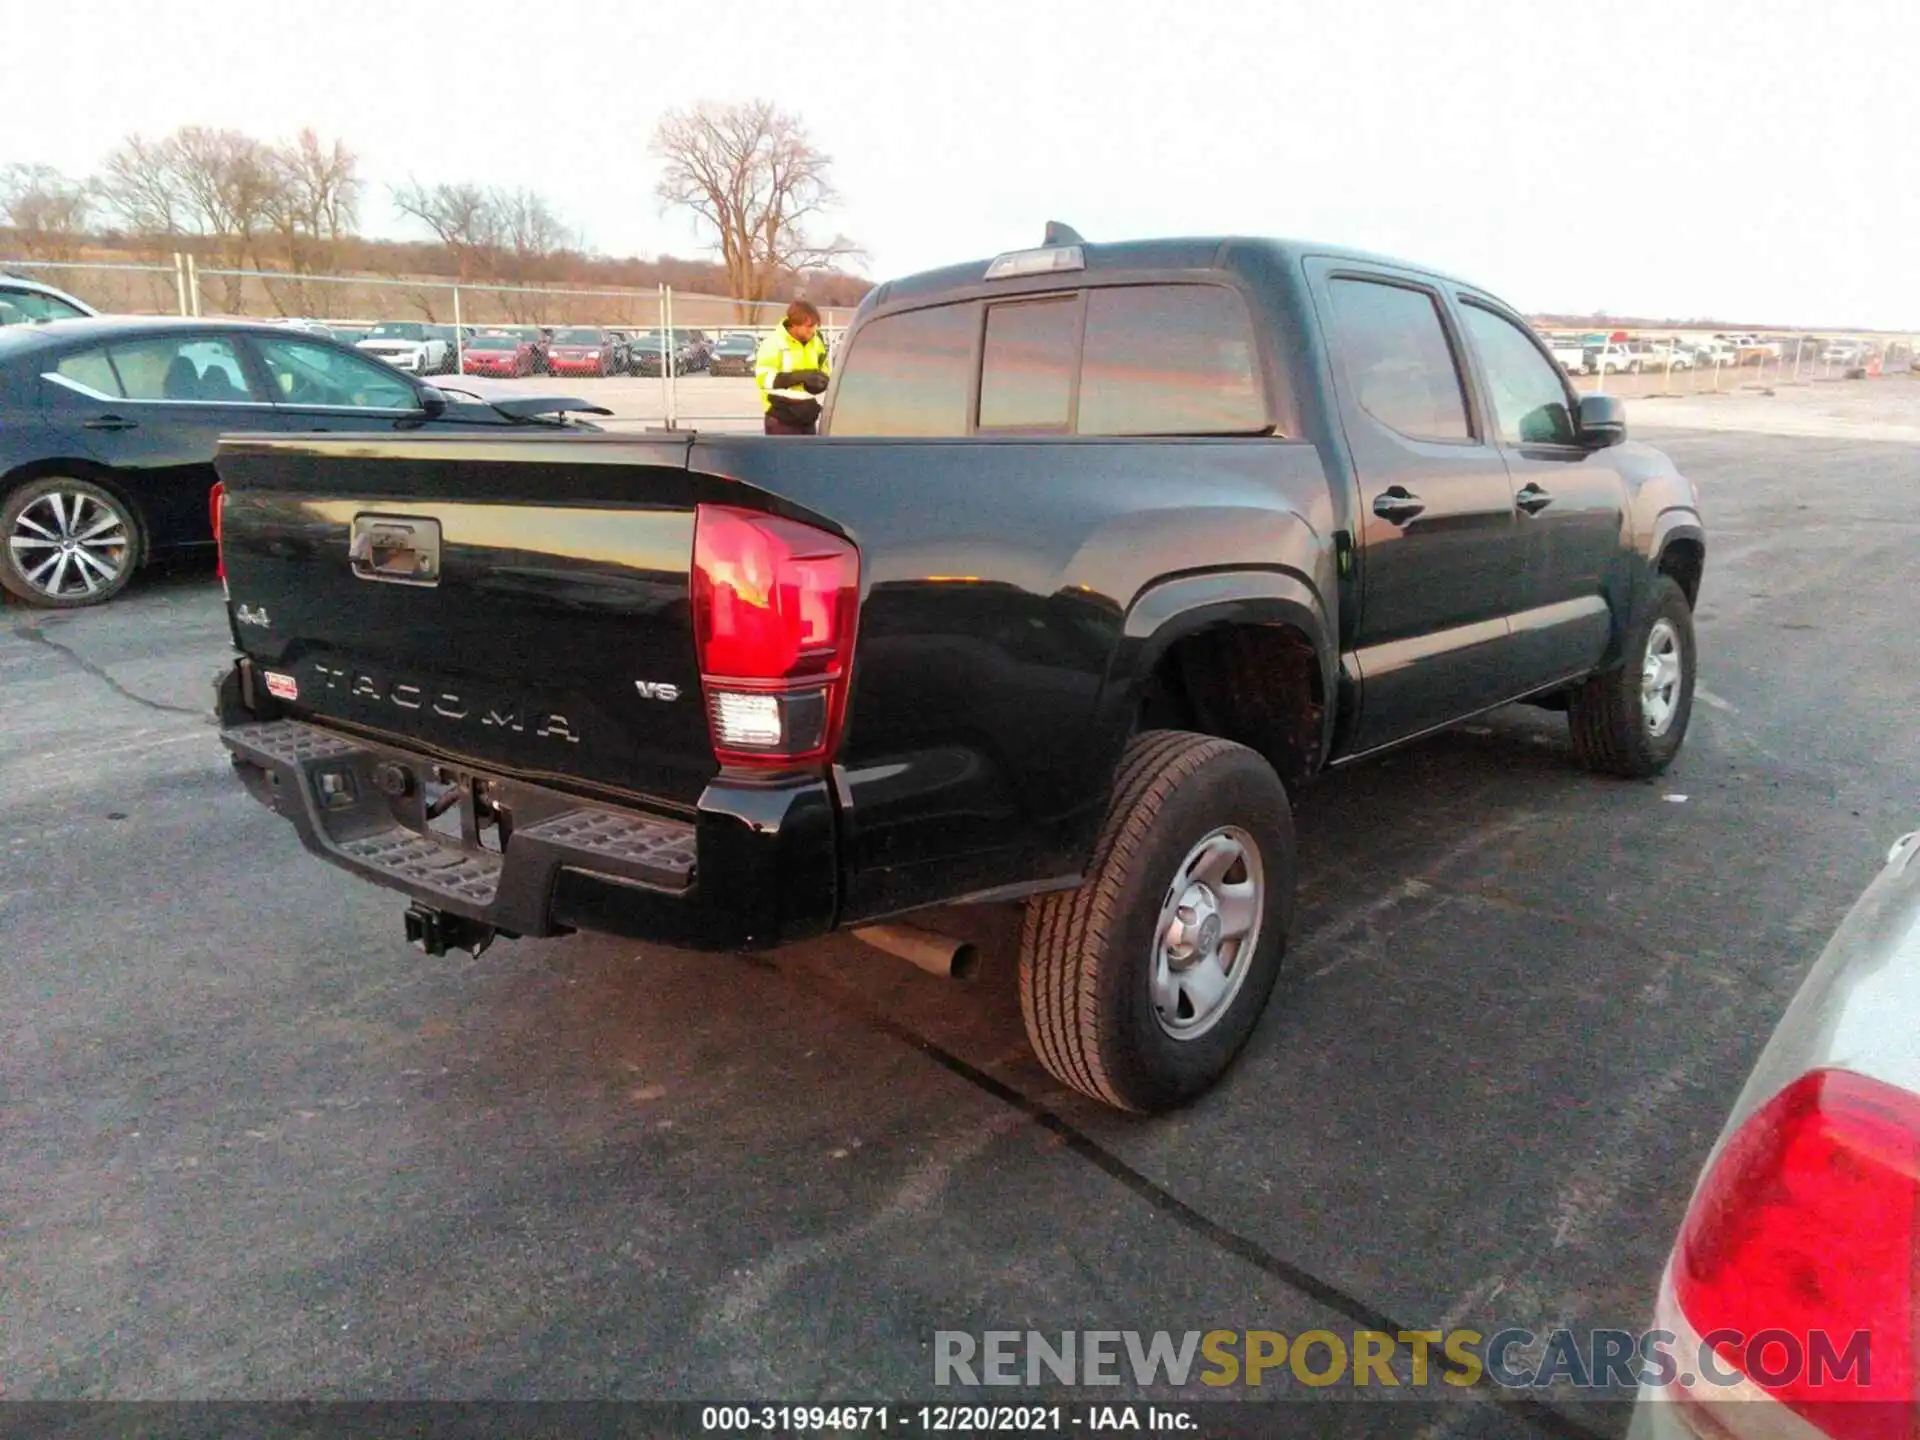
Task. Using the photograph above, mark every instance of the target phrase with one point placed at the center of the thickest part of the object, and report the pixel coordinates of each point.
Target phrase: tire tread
(1063, 935)
(1603, 715)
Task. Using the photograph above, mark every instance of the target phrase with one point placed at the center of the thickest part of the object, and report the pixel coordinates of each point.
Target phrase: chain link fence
(670, 356)
(655, 355)
(1650, 363)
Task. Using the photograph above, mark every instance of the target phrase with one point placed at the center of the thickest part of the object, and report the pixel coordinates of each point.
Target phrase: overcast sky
(1745, 159)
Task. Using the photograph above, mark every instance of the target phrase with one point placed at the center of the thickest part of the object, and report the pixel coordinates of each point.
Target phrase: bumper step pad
(552, 830)
(451, 870)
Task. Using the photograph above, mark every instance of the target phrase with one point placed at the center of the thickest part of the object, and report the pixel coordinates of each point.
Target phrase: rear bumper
(753, 868)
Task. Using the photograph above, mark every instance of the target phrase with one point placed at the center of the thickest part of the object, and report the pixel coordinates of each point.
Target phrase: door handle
(109, 422)
(1397, 505)
(1532, 499)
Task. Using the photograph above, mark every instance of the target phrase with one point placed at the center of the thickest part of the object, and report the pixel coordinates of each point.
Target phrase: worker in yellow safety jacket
(791, 371)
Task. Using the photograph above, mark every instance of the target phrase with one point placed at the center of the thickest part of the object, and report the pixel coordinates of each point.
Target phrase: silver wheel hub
(1208, 932)
(1660, 677)
(68, 545)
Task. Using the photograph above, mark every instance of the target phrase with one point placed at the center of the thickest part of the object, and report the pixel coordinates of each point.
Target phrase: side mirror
(1602, 421)
(433, 402)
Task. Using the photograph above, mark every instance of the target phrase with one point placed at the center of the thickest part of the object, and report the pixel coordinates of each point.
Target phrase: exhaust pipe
(937, 954)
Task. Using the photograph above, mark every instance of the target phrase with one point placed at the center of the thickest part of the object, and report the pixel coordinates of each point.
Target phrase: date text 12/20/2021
(945, 1419)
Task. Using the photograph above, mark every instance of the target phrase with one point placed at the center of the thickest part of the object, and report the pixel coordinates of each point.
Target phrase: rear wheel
(1632, 721)
(68, 543)
(1142, 986)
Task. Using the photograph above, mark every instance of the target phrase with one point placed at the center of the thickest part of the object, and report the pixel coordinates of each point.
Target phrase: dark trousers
(777, 426)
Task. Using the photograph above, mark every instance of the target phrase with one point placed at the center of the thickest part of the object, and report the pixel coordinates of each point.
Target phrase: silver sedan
(1792, 1295)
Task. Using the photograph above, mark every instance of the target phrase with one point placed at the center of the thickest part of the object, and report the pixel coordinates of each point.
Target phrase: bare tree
(47, 211)
(532, 237)
(530, 233)
(463, 217)
(751, 176)
(222, 186)
(141, 188)
(509, 237)
(232, 184)
(314, 208)
(316, 200)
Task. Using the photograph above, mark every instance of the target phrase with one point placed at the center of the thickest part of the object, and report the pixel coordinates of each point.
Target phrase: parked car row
(508, 351)
(1617, 353)
(598, 351)
(424, 348)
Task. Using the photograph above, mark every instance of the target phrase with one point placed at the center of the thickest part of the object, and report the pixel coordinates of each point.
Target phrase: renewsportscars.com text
(1379, 1359)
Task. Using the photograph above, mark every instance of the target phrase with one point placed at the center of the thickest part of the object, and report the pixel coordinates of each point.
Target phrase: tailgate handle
(399, 549)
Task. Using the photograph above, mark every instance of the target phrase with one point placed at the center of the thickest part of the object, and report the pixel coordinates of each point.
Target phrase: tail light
(1805, 1228)
(217, 505)
(775, 604)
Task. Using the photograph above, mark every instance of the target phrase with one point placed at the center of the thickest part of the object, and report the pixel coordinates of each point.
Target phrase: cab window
(1529, 399)
(1399, 366)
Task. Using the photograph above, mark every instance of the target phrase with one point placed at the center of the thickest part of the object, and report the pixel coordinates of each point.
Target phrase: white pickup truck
(1612, 358)
(1568, 353)
(1668, 355)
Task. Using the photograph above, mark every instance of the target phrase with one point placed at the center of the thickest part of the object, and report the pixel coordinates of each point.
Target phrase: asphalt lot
(255, 1147)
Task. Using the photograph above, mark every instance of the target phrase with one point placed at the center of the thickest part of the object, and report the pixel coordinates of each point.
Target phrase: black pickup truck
(1104, 549)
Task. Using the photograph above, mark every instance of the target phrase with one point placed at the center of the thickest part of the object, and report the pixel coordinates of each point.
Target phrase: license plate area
(395, 549)
(467, 809)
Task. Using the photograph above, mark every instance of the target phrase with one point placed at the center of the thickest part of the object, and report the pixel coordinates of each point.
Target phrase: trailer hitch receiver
(437, 931)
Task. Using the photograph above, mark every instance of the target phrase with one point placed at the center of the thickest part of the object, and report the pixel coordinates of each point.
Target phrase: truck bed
(556, 645)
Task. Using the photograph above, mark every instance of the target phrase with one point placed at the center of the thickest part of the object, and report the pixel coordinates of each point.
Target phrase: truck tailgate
(522, 602)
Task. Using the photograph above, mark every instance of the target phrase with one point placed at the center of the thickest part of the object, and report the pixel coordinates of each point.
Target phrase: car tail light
(217, 507)
(1805, 1227)
(775, 604)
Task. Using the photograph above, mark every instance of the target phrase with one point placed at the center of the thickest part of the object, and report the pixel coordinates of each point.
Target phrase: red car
(581, 351)
(495, 352)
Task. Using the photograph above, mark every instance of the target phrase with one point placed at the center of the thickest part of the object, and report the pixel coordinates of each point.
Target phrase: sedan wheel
(69, 543)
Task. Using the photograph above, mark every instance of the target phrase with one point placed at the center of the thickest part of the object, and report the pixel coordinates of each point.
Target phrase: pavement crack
(34, 635)
(1540, 1416)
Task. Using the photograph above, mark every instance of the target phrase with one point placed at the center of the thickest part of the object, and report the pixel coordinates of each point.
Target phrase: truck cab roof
(1201, 254)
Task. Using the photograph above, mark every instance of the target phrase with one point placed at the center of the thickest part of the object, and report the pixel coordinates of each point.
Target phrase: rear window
(1148, 360)
(1026, 369)
(908, 375)
(1170, 360)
